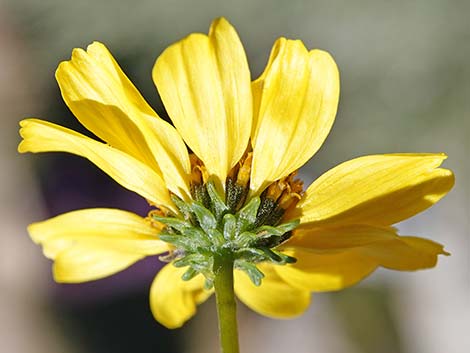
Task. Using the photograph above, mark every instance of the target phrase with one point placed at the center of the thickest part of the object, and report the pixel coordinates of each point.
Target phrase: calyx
(207, 227)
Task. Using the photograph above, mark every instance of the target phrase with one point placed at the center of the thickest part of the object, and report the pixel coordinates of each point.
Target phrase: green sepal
(278, 257)
(216, 236)
(246, 239)
(271, 255)
(288, 226)
(179, 241)
(230, 224)
(267, 236)
(197, 235)
(251, 255)
(209, 283)
(268, 231)
(172, 222)
(205, 218)
(183, 207)
(188, 260)
(286, 258)
(246, 217)
(218, 205)
(265, 231)
(189, 274)
(251, 270)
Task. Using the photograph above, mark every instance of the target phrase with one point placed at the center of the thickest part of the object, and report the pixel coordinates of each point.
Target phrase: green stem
(226, 306)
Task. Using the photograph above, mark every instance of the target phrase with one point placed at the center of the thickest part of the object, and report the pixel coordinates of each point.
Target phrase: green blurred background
(405, 81)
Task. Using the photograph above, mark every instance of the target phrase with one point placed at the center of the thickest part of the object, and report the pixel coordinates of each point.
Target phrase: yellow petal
(295, 101)
(331, 258)
(42, 136)
(274, 298)
(405, 253)
(87, 262)
(106, 102)
(95, 243)
(339, 237)
(326, 270)
(172, 300)
(102, 228)
(204, 83)
(334, 258)
(378, 189)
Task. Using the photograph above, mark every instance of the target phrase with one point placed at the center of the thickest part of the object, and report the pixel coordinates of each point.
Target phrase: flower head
(237, 194)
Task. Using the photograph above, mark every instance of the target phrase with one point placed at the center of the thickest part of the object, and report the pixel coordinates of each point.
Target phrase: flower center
(246, 228)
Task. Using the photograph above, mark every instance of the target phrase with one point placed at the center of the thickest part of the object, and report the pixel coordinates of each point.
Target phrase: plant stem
(226, 306)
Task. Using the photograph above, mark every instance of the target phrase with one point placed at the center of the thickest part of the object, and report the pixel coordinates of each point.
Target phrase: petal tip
(25, 131)
(220, 21)
(95, 44)
(22, 148)
(61, 68)
(24, 122)
(77, 53)
(220, 24)
(33, 232)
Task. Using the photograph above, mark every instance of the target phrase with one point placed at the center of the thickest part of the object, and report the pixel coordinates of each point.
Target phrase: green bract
(208, 228)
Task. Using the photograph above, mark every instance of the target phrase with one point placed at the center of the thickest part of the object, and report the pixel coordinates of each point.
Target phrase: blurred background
(405, 78)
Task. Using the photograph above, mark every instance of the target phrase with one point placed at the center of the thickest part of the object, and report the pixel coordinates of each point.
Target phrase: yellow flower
(248, 139)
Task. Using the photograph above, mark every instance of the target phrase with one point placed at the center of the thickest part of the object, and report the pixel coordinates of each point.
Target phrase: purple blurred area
(72, 183)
